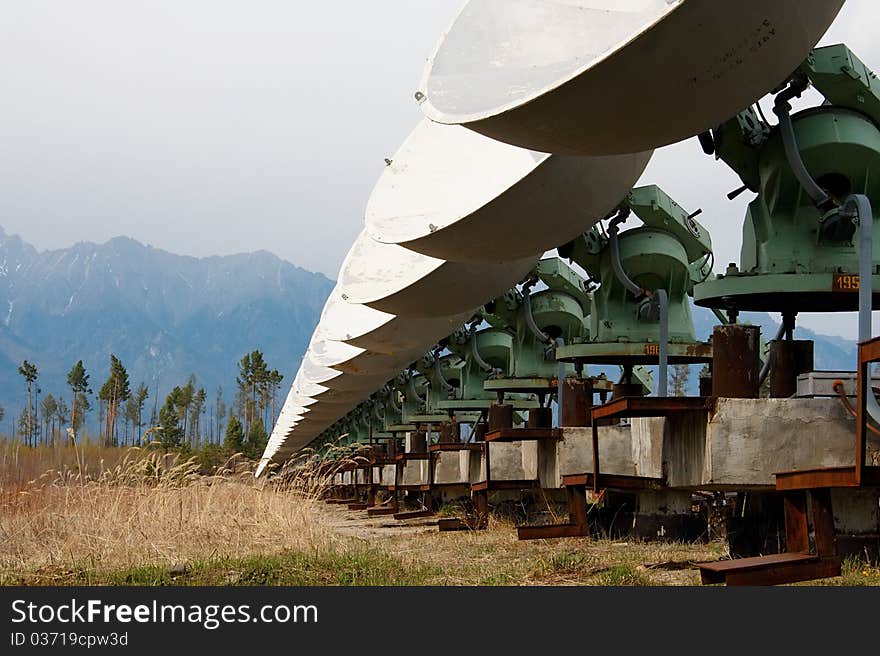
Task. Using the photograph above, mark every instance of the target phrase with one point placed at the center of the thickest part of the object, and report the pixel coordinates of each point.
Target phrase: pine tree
(219, 411)
(256, 440)
(170, 431)
(234, 440)
(198, 409)
(681, 374)
(115, 390)
(78, 382)
(77, 417)
(61, 414)
(184, 401)
(29, 372)
(140, 397)
(48, 407)
(245, 381)
(130, 415)
(268, 389)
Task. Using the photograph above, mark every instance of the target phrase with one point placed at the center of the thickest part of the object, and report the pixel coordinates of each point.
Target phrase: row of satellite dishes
(541, 115)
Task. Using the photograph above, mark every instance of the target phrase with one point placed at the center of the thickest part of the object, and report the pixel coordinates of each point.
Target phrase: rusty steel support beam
(823, 523)
(418, 442)
(449, 433)
(797, 529)
(540, 418)
(480, 430)
(626, 390)
(790, 359)
(577, 400)
(481, 508)
(500, 417)
(736, 361)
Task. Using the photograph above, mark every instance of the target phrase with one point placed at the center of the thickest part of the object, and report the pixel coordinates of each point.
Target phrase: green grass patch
(365, 567)
(621, 575)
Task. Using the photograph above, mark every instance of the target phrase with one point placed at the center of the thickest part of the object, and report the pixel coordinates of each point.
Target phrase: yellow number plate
(845, 282)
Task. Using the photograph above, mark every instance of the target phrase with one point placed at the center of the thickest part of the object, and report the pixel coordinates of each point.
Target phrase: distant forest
(186, 420)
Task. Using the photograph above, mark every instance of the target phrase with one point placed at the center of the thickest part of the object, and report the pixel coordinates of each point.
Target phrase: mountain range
(167, 316)
(164, 315)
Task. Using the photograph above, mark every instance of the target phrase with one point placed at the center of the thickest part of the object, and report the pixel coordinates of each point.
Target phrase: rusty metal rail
(809, 489)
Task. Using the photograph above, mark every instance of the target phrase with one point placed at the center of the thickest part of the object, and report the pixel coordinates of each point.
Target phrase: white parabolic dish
(357, 361)
(337, 381)
(381, 332)
(601, 77)
(454, 194)
(396, 280)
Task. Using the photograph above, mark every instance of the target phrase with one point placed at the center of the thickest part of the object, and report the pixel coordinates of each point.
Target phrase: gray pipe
(720, 316)
(530, 319)
(481, 363)
(663, 300)
(560, 379)
(782, 109)
(765, 370)
(438, 369)
(859, 207)
(796, 162)
(662, 384)
(414, 391)
(617, 266)
(394, 406)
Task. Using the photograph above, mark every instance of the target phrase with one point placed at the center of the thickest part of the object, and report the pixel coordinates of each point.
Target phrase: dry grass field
(97, 516)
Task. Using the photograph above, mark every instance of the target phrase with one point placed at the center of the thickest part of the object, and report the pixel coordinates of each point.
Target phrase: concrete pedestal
(746, 441)
(515, 461)
(414, 472)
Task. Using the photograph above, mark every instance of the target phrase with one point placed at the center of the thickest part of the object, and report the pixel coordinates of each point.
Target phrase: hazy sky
(214, 126)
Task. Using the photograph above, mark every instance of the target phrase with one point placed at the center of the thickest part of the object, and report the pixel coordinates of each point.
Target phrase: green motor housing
(796, 257)
(654, 260)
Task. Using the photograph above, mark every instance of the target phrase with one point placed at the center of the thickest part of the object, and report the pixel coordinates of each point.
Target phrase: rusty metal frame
(639, 406)
(859, 474)
(524, 434)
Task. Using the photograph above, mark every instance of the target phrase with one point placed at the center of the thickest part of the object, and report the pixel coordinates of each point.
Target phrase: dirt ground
(495, 556)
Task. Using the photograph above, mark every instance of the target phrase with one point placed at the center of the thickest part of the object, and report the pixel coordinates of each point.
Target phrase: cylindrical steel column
(706, 385)
(735, 363)
(418, 442)
(480, 432)
(500, 417)
(449, 433)
(540, 418)
(622, 390)
(577, 399)
(790, 359)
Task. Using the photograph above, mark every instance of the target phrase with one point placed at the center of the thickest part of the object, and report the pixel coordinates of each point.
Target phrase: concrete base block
(667, 515)
(451, 494)
(389, 475)
(515, 461)
(473, 466)
(756, 524)
(746, 441)
(414, 472)
(856, 511)
(573, 454)
(448, 469)
(857, 520)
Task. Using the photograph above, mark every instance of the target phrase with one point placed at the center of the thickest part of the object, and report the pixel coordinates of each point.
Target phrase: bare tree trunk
(30, 430)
